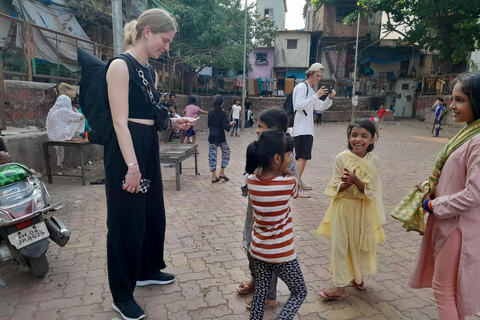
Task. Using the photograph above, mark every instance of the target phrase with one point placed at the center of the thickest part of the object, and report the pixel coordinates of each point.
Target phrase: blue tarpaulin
(386, 58)
(296, 73)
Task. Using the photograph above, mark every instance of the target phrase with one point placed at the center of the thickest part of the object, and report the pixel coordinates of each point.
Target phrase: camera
(330, 89)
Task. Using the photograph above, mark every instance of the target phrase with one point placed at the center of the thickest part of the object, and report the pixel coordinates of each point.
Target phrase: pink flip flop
(327, 297)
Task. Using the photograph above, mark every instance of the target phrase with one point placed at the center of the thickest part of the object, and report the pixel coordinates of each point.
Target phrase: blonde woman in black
(136, 220)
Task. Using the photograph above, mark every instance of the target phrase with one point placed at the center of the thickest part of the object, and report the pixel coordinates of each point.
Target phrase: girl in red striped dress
(272, 247)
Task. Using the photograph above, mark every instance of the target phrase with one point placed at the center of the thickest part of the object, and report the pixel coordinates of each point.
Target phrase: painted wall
(292, 58)
(404, 98)
(325, 22)
(278, 11)
(262, 70)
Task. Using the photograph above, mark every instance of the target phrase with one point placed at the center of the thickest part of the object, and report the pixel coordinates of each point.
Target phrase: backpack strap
(306, 95)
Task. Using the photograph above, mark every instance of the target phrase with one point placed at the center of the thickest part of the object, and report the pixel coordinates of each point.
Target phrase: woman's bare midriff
(148, 122)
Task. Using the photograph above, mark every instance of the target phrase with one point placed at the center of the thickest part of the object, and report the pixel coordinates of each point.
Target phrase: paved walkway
(204, 242)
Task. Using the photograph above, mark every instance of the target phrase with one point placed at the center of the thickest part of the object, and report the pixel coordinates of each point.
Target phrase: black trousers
(136, 221)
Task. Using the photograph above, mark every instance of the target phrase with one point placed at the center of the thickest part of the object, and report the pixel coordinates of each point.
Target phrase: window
(268, 13)
(292, 44)
(261, 58)
(342, 11)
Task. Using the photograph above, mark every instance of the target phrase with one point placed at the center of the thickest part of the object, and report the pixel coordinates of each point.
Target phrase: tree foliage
(450, 27)
(212, 32)
(89, 10)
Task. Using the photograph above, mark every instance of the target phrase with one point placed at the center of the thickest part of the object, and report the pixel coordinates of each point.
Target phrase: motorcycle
(25, 220)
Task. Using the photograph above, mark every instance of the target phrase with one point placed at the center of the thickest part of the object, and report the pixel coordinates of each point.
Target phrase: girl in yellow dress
(353, 220)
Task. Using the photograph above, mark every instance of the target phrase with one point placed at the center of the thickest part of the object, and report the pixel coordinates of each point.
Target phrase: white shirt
(236, 111)
(304, 98)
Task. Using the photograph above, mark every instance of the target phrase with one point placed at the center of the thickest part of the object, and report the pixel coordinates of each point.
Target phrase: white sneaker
(304, 186)
(303, 194)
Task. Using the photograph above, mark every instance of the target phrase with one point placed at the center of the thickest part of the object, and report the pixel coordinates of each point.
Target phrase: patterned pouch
(144, 184)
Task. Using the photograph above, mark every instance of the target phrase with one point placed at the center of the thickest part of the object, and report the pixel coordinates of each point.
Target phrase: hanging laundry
(259, 84)
(255, 86)
(251, 86)
(264, 85)
(239, 82)
(228, 83)
(289, 85)
(269, 86)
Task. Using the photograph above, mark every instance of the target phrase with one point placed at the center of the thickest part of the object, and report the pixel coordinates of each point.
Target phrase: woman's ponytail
(129, 34)
(252, 157)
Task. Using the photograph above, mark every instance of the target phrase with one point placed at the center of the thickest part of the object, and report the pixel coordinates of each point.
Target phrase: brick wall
(27, 103)
(423, 106)
(341, 106)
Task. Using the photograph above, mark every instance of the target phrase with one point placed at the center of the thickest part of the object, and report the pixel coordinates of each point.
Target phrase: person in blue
(439, 111)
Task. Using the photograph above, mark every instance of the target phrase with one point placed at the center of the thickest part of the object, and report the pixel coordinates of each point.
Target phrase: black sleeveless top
(139, 104)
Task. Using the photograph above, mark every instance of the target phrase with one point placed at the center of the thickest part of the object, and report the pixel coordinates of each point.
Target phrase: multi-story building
(273, 9)
(292, 56)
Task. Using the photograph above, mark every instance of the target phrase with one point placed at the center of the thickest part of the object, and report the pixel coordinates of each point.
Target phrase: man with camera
(305, 101)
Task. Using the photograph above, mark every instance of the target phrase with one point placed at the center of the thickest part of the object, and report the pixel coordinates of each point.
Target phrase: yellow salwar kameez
(353, 220)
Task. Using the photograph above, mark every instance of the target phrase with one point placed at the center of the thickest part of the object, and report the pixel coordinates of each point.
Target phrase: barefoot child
(272, 247)
(353, 220)
(273, 118)
(381, 113)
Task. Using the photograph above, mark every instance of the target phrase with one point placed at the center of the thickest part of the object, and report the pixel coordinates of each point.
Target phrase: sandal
(99, 181)
(359, 287)
(245, 287)
(216, 180)
(325, 296)
(224, 178)
(269, 303)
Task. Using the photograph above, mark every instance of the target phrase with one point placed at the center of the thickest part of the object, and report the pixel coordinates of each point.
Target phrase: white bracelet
(132, 164)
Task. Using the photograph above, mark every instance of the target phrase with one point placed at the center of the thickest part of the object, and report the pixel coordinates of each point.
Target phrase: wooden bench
(176, 155)
(78, 144)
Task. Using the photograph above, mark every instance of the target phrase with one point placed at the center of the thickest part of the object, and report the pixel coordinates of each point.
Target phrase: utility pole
(244, 92)
(355, 97)
(117, 22)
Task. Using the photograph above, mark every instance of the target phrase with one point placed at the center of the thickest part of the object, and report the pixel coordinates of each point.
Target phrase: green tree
(450, 27)
(211, 32)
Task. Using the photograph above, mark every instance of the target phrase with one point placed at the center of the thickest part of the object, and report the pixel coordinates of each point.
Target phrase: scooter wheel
(39, 266)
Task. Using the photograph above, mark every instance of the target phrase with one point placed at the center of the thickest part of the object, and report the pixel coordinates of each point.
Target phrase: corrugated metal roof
(48, 46)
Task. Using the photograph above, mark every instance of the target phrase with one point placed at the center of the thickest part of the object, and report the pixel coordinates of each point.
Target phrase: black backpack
(93, 96)
(288, 107)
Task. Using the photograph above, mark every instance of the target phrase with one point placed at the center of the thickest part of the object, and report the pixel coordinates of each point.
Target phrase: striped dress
(272, 235)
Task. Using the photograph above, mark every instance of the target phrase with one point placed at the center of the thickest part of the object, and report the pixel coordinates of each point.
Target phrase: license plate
(29, 235)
